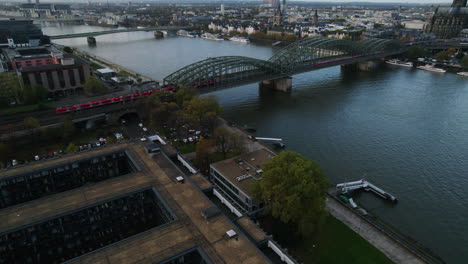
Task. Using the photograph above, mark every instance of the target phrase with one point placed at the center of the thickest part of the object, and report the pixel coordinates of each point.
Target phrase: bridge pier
(158, 34)
(282, 84)
(360, 66)
(91, 40)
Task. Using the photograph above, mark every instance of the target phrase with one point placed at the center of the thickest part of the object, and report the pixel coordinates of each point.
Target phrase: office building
(232, 179)
(21, 33)
(115, 204)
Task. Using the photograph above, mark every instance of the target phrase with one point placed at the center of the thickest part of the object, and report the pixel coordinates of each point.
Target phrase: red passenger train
(113, 100)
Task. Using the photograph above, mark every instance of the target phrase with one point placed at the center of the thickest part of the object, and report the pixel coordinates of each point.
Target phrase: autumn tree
(203, 150)
(293, 189)
(228, 142)
(184, 94)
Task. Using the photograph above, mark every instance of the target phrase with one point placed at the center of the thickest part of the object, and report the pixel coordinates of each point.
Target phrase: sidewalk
(388, 246)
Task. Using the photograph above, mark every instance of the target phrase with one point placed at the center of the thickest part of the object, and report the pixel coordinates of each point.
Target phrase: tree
(203, 111)
(34, 94)
(71, 148)
(415, 52)
(68, 49)
(464, 61)
(5, 152)
(93, 86)
(10, 89)
(442, 56)
(184, 94)
(452, 51)
(228, 142)
(202, 157)
(68, 128)
(32, 124)
(293, 189)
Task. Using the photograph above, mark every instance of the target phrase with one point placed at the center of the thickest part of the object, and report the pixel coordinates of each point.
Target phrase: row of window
(61, 78)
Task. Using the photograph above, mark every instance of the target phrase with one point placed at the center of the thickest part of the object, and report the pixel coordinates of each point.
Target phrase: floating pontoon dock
(367, 186)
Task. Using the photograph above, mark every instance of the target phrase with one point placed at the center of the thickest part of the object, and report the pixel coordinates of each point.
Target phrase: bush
(93, 86)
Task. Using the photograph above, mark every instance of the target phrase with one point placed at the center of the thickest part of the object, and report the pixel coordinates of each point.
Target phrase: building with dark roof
(448, 22)
(116, 204)
(21, 33)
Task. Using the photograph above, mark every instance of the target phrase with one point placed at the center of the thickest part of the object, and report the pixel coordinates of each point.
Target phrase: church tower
(459, 3)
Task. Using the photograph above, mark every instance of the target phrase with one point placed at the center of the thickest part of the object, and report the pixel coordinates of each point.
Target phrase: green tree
(32, 124)
(68, 49)
(443, 55)
(34, 94)
(71, 148)
(464, 61)
(415, 52)
(452, 51)
(459, 55)
(68, 129)
(93, 86)
(293, 189)
(228, 142)
(204, 111)
(184, 94)
(5, 152)
(10, 89)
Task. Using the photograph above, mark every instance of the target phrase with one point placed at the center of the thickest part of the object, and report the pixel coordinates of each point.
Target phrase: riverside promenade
(394, 250)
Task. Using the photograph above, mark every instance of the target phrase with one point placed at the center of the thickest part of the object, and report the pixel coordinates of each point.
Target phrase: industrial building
(47, 66)
(116, 204)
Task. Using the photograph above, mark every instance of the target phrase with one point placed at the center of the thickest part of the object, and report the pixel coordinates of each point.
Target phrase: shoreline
(395, 249)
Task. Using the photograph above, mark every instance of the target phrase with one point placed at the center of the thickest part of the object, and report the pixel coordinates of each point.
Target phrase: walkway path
(388, 246)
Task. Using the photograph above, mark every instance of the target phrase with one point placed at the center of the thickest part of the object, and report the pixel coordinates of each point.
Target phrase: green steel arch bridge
(301, 56)
(113, 31)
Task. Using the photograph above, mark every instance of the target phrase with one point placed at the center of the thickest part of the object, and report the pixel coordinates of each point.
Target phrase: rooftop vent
(231, 234)
(243, 177)
(180, 179)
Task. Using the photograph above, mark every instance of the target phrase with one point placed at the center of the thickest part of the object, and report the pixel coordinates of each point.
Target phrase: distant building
(45, 10)
(47, 66)
(21, 33)
(232, 179)
(447, 22)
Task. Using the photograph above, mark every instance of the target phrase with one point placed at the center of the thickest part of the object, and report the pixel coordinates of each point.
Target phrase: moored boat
(239, 39)
(463, 74)
(431, 68)
(399, 63)
(211, 36)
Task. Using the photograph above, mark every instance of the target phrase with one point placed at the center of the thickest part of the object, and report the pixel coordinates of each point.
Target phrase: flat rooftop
(189, 229)
(245, 169)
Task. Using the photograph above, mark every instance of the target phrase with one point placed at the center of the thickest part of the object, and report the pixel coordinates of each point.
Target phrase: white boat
(399, 63)
(463, 74)
(240, 39)
(429, 67)
(211, 36)
(185, 33)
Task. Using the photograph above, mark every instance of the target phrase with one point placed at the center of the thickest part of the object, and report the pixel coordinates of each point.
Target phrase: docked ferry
(399, 63)
(240, 39)
(211, 36)
(463, 74)
(429, 67)
(185, 33)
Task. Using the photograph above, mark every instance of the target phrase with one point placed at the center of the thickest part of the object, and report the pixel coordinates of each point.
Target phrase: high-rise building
(222, 9)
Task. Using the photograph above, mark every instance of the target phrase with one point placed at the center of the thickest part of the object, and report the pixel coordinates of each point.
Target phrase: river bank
(401, 128)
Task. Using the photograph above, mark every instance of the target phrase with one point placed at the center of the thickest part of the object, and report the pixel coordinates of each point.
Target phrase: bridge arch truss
(221, 69)
(300, 56)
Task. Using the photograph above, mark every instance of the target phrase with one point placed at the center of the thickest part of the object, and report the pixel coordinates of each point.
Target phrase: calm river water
(404, 130)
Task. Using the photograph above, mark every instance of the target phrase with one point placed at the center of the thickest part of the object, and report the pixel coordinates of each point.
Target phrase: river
(404, 130)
